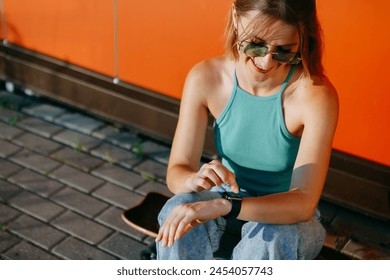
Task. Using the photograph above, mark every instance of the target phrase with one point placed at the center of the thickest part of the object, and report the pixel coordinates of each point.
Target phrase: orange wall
(357, 56)
(77, 31)
(159, 41)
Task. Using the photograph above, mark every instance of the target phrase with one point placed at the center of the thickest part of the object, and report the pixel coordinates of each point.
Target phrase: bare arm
(183, 174)
(319, 117)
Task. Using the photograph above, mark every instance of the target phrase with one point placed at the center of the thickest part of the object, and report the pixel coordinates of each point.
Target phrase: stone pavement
(65, 178)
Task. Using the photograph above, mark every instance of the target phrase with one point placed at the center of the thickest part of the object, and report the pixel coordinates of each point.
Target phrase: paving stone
(112, 218)
(37, 143)
(26, 251)
(36, 206)
(10, 117)
(6, 114)
(77, 140)
(79, 202)
(152, 170)
(8, 190)
(35, 182)
(7, 240)
(117, 137)
(35, 161)
(123, 247)
(40, 127)
(7, 148)
(79, 122)
(44, 111)
(118, 176)
(82, 227)
(365, 251)
(113, 154)
(153, 187)
(8, 168)
(36, 231)
(76, 178)
(6, 214)
(74, 249)
(76, 159)
(156, 151)
(117, 196)
(8, 132)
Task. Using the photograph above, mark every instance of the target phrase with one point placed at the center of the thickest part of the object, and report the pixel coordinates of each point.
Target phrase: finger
(186, 223)
(207, 172)
(164, 234)
(172, 233)
(221, 171)
(181, 230)
(175, 222)
(165, 229)
(234, 186)
(203, 183)
(159, 236)
(226, 175)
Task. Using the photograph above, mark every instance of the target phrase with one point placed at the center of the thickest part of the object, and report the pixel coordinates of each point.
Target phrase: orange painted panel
(76, 31)
(357, 54)
(159, 41)
(1, 24)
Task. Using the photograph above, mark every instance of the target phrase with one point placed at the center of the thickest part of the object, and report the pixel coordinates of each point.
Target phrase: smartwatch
(235, 200)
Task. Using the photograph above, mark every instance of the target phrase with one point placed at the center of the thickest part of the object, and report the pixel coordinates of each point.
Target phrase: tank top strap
(285, 83)
(282, 88)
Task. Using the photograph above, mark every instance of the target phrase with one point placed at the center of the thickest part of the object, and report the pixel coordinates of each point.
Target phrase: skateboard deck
(143, 217)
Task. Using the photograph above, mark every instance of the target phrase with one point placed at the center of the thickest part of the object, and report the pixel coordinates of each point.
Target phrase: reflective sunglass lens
(255, 50)
(282, 57)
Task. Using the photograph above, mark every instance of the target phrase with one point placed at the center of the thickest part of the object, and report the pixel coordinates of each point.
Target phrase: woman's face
(274, 37)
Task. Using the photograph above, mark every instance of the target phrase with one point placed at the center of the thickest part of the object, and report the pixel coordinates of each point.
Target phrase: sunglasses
(252, 49)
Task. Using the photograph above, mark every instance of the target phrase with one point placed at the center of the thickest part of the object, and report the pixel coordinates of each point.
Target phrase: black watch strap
(236, 205)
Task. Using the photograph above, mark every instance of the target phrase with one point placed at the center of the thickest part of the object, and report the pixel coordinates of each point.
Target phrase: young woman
(276, 114)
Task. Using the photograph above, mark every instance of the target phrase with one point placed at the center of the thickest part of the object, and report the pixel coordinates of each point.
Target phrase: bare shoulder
(319, 96)
(209, 78)
(210, 72)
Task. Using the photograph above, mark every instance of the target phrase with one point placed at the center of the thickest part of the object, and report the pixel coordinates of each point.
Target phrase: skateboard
(143, 218)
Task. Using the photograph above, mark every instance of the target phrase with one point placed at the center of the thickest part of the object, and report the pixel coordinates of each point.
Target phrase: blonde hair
(299, 13)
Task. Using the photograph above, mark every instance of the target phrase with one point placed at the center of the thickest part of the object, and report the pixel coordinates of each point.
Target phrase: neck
(261, 85)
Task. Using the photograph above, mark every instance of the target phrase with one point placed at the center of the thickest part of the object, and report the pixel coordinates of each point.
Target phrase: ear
(234, 17)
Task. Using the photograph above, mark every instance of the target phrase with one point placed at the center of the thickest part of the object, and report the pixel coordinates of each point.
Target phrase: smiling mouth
(259, 69)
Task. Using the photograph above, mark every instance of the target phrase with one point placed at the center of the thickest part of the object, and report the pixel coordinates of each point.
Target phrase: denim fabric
(259, 241)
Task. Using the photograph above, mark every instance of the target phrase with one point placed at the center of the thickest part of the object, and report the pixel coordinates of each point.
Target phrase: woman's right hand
(212, 174)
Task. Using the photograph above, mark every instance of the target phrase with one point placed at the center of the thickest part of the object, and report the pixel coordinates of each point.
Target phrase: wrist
(225, 206)
(235, 205)
(189, 182)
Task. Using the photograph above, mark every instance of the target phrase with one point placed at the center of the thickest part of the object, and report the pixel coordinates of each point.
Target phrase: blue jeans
(259, 241)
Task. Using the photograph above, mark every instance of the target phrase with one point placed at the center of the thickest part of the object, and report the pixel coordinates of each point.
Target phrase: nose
(265, 62)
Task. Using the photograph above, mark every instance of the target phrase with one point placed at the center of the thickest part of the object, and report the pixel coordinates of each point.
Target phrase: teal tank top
(252, 139)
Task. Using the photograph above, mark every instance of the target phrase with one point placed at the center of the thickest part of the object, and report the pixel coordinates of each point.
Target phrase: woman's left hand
(187, 216)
